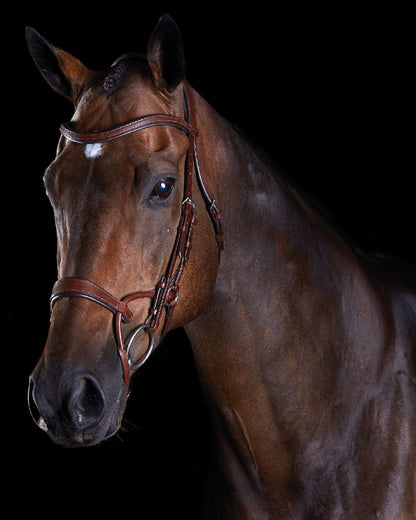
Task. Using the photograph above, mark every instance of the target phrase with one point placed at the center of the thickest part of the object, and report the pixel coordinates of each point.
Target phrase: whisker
(127, 425)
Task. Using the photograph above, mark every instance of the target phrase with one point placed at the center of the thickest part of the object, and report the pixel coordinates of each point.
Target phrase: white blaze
(93, 150)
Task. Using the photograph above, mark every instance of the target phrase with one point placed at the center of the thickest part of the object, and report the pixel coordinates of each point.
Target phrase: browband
(128, 128)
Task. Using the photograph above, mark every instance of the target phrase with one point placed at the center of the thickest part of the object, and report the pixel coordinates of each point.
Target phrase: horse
(167, 217)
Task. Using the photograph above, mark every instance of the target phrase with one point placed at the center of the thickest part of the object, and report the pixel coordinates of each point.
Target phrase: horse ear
(165, 54)
(64, 73)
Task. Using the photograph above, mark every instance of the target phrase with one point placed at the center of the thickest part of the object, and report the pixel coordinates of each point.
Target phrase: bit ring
(132, 337)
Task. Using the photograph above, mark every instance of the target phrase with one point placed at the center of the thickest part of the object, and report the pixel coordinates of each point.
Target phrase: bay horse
(166, 217)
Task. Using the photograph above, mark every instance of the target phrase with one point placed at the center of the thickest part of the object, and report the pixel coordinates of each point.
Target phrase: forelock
(118, 70)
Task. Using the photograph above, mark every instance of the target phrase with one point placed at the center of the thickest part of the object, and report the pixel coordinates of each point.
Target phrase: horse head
(118, 198)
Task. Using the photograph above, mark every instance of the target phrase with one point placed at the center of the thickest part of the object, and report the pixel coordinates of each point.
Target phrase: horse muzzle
(74, 415)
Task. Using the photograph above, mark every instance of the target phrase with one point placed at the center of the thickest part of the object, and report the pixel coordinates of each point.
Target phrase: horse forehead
(98, 111)
(148, 141)
(134, 98)
(103, 171)
(151, 147)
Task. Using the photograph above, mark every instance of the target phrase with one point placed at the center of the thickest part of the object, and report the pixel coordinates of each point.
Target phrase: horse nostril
(33, 407)
(86, 402)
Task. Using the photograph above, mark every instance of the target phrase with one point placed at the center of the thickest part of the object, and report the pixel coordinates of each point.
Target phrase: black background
(328, 93)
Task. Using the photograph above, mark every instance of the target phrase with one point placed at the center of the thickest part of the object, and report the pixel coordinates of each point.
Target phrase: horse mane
(118, 71)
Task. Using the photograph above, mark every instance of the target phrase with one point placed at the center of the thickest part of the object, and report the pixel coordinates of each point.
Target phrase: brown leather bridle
(166, 292)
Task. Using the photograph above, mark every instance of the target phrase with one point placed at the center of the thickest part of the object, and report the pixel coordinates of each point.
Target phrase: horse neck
(283, 269)
(267, 224)
(295, 342)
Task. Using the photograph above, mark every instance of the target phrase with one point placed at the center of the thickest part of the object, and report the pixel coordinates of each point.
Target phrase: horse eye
(163, 189)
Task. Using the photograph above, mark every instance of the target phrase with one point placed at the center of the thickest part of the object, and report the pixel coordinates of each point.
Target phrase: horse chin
(69, 438)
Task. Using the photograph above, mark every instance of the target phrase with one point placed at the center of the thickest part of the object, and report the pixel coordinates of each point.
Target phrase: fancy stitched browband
(166, 292)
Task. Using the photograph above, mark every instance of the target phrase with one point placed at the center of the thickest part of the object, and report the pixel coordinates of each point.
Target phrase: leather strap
(79, 287)
(86, 289)
(133, 126)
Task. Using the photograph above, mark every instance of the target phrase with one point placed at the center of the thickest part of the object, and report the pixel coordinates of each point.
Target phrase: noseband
(166, 292)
